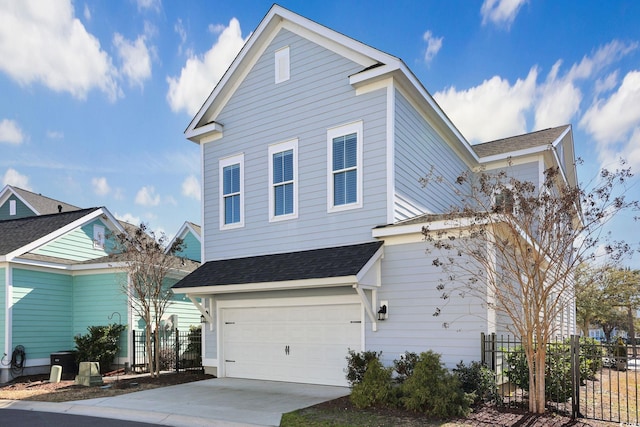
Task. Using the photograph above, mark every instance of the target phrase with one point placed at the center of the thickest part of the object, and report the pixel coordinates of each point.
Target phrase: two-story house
(312, 148)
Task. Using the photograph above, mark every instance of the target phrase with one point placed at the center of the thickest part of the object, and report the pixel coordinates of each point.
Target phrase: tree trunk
(149, 346)
(537, 398)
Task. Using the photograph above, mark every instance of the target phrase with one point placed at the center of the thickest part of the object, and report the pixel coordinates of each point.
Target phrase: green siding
(76, 245)
(42, 312)
(21, 209)
(96, 300)
(191, 248)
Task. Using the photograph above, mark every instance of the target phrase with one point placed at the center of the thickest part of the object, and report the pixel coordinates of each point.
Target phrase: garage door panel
(256, 340)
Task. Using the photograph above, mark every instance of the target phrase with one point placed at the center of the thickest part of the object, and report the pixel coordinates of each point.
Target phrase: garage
(296, 343)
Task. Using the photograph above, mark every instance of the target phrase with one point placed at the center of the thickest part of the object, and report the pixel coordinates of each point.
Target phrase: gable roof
(17, 233)
(376, 66)
(292, 266)
(38, 203)
(541, 138)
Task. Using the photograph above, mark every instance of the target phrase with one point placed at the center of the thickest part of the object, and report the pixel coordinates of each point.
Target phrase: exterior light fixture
(203, 319)
(382, 313)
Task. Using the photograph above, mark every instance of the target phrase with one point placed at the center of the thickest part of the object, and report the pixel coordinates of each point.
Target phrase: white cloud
(129, 218)
(10, 132)
(216, 28)
(43, 42)
(135, 57)
(147, 197)
(191, 187)
(434, 44)
(87, 12)
(491, 110)
(607, 83)
(100, 186)
(153, 5)
(54, 134)
(558, 100)
(201, 73)
(610, 120)
(15, 178)
(500, 12)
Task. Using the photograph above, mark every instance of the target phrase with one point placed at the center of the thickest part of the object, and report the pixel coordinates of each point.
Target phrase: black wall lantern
(203, 319)
(382, 313)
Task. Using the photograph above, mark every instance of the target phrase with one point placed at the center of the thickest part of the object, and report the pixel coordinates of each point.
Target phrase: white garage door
(305, 344)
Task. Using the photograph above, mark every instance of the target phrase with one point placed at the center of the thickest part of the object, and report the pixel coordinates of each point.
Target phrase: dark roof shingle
(312, 264)
(520, 142)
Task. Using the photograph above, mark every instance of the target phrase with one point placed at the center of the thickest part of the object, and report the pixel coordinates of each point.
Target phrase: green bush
(591, 354)
(478, 381)
(433, 390)
(99, 345)
(357, 365)
(376, 387)
(405, 365)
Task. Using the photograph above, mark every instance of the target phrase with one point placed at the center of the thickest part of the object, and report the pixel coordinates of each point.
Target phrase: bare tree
(516, 246)
(147, 261)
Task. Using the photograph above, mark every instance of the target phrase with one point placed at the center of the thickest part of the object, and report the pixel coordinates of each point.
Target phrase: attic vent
(282, 64)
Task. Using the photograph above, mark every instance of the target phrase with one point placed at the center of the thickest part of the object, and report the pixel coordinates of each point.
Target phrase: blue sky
(95, 95)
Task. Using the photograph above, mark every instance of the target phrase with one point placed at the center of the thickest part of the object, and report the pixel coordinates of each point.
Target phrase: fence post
(483, 359)
(177, 350)
(133, 351)
(575, 376)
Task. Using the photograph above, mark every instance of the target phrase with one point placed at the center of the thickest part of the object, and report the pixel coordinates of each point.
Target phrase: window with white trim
(283, 180)
(232, 192)
(12, 207)
(98, 237)
(345, 167)
(282, 65)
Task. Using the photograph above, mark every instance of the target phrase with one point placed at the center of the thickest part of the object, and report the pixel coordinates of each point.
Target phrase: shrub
(99, 345)
(167, 359)
(405, 365)
(591, 354)
(478, 381)
(357, 365)
(433, 390)
(375, 388)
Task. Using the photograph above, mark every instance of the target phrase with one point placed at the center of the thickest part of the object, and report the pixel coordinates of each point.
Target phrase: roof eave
(324, 282)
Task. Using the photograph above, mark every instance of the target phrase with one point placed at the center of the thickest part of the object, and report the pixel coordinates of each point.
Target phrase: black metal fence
(583, 377)
(178, 350)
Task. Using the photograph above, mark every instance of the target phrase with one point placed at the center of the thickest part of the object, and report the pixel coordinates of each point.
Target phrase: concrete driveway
(215, 402)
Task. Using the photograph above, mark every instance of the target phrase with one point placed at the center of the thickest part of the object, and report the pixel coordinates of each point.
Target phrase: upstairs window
(282, 65)
(283, 160)
(12, 207)
(232, 192)
(345, 167)
(504, 201)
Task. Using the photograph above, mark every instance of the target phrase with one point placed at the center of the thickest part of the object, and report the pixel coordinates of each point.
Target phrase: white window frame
(98, 236)
(355, 127)
(12, 208)
(279, 148)
(229, 161)
(282, 65)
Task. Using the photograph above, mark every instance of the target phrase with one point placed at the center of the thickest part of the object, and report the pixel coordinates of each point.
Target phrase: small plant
(167, 359)
(99, 345)
(479, 381)
(357, 365)
(433, 390)
(405, 365)
(376, 387)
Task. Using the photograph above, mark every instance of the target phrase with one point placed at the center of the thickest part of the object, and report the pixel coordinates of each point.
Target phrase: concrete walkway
(216, 402)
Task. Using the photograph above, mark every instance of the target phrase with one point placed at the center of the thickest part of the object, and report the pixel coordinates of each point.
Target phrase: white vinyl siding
(344, 186)
(232, 192)
(283, 181)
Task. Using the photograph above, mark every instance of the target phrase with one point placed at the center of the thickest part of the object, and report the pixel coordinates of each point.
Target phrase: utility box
(67, 360)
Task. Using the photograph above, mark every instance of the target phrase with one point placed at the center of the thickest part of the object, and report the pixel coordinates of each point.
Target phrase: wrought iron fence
(178, 350)
(583, 377)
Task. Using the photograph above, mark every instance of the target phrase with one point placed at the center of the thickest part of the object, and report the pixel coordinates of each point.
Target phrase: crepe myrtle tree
(147, 260)
(516, 245)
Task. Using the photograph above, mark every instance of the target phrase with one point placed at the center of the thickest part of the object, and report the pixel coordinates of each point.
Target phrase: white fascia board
(364, 271)
(325, 282)
(397, 230)
(61, 231)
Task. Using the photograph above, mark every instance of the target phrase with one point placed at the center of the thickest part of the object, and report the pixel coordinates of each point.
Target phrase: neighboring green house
(58, 276)
(190, 234)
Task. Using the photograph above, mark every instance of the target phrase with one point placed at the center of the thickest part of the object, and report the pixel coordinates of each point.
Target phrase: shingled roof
(17, 233)
(312, 264)
(42, 204)
(520, 142)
